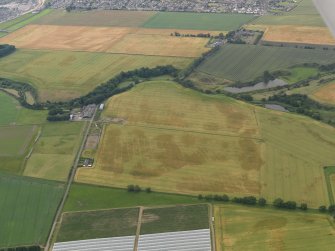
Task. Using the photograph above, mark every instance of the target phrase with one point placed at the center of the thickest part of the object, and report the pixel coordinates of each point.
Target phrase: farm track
(194, 131)
(69, 183)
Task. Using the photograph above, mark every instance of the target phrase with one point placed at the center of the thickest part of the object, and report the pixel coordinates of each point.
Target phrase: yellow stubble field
(123, 40)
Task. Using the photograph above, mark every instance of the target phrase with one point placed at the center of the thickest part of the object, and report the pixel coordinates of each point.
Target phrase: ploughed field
(177, 140)
(246, 62)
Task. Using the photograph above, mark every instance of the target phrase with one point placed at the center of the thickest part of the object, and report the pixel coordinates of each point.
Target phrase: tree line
(29, 248)
(6, 49)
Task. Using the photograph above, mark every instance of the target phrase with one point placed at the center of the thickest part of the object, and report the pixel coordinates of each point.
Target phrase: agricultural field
(15, 143)
(12, 113)
(119, 40)
(305, 14)
(171, 219)
(98, 224)
(89, 197)
(238, 228)
(164, 142)
(62, 75)
(293, 166)
(298, 35)
(246, 62)
(162, 146)
(55, 151)
(198, 21)
(17, 133)
(28, 208)
(329, 172)
(102, 18)
(325, 94)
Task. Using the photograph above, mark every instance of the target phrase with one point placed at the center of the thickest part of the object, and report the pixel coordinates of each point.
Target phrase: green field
(60, 75)
(13, 114)
(172, 134)
(246, 62)
(21, 21)
(197, 21)
(178, 218)
(88, 197)
(98, 224)
(15, 143)
(14, 140)
(305, 14)
(300, 73)
(28, 207)
(241, 229)
(96, 18)
(293, 164)
(18, 128)
(55, 150)
(329, 172)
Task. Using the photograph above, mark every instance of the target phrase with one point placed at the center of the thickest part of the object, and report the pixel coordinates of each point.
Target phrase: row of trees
(137, 189)
(30, 248)
(252, 201)
(6, 49)
(330, 209)
(246, 200)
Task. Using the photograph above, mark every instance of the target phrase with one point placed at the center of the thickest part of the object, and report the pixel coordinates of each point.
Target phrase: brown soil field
(107, 39)
(298, 34)
(325, 94)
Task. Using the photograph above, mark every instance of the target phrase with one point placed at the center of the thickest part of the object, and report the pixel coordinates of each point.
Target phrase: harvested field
(28, 209)
(62, 75)
(158, 45)
(325, 94)
(171, 219)
(293, 165)
(165, 104)
(104, 39)
(298, 35)
(55, 151)
(241, 228)
(246, 62)
(96, 18)
(162, 145)
(166, 159)
(197, 21)
(98, 224)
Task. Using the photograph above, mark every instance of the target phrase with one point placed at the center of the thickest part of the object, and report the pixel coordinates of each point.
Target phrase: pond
(256, 87)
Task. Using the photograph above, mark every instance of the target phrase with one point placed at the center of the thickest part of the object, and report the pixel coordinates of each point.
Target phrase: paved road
(69, 182)
(327, 10)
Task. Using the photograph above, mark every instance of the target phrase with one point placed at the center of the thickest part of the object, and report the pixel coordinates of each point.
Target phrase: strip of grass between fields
(328, 171)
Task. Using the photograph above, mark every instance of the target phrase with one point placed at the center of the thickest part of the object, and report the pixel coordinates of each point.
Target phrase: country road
(39, 6)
